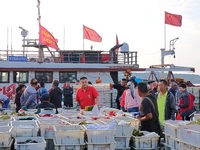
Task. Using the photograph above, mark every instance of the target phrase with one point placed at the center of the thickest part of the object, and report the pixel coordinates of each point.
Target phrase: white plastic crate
(124, 130)
(106, 146)
(69, 134)
(47, 129)
(196, 116)
(8, 147)
(99, 136)
(5, 135)
(143, 142)
(185, 146)
(122, 142)
(172, 142)
(40, 145)
(134, 122)
(24, 118)
(68, 147)
(28, 128)
(5, 122)
(191, 135)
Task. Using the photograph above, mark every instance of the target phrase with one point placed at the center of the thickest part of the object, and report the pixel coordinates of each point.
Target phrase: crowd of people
(155, 102)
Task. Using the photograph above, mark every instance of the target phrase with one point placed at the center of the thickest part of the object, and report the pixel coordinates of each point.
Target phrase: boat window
(67, 76)
(4, 77)
(20, 76)
(46, 77)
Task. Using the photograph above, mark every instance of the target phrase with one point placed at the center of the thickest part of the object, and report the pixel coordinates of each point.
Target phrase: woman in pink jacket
(132, 99)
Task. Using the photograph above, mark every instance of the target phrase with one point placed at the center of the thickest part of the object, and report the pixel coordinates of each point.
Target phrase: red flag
(173, 19)
(117, 43)
(91, 35)
(46, 38)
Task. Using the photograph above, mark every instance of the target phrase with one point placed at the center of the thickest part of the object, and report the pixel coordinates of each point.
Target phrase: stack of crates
(5, 137)
(47, 130)
(99, 138)
(124, 131)
(26, 135)
(104, 93)
(69, 137)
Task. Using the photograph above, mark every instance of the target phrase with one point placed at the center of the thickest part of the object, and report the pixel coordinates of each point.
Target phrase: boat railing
(70, 56)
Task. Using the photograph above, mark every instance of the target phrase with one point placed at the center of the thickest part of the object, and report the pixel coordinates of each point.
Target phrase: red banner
(91, 35)
(46, 38)
(173, 19)
(9, 90)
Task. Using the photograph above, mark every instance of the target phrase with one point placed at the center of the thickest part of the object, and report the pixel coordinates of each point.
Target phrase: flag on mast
(173, 19)
(91, 34)
(46, 38)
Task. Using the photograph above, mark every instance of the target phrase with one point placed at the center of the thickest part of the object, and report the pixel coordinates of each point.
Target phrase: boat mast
(40, 48)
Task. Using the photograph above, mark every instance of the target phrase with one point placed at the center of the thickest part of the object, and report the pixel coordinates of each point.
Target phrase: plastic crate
(171, 142)
(5, 135)
(5, 123)
(122, 142)
(47, 129)
(68, 147)
(124, 130)
(40, 145)
(134, 122)
(107, 146)
(99, 136)
(8, 147)
(24, 128)
(196, 116)
(144, 142)
(69, 134)
(185, 146)
(24, 118)
(191, 135)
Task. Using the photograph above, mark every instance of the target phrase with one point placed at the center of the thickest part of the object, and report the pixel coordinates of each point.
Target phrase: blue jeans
(6, 103)
(133, 109)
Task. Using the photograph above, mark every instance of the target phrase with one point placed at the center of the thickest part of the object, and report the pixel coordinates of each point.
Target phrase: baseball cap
(45, 97)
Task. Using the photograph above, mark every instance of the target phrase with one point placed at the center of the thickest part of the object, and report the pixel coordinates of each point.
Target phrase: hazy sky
(140, 23)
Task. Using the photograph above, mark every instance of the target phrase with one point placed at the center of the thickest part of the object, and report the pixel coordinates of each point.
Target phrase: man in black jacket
(68, 95)
(56, 94)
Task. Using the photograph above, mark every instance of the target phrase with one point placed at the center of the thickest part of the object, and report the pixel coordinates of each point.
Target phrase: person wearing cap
(29, 97)
(21, 89)
(45, 98)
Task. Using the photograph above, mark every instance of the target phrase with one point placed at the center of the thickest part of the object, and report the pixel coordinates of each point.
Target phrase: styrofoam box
(5, 135)
(68, 147)
(106, 146)
(40, 145)
(99, 136)
(47, 129)
(191, 135)
(122, 142)
(142, 142)
(8, 147)
(24, 128)
(69, 134)
(185, 146)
